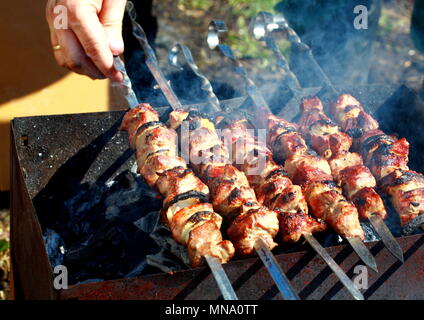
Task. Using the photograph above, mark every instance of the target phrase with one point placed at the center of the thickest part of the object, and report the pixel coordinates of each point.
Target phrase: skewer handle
(216, 29)
(151, 60)
(300, 46)
(174, 58)
(125, 87)
(263, 28)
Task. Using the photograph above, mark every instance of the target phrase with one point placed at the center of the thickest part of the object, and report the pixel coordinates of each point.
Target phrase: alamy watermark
(60, 21)
(361, 20)
(60, 280)
(360, 280)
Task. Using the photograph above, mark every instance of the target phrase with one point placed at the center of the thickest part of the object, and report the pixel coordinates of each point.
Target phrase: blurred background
(32, 84)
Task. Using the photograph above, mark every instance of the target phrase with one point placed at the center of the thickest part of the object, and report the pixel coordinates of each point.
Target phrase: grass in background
(239, 14)
(4, 254)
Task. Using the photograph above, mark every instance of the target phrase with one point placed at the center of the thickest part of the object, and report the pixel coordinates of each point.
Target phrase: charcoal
(55, 247)
(164, 262)
(113, 231)
(149, 222)
(369, 232)
(414, 226)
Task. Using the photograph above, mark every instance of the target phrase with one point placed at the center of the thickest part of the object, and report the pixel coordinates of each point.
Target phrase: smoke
(342, 50)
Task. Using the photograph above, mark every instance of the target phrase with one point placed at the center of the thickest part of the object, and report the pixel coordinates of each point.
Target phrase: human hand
(92, 38)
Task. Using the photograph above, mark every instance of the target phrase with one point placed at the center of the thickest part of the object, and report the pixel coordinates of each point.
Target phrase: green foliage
(4, 245)
(196, 4)
(239, 36)
(386, 24)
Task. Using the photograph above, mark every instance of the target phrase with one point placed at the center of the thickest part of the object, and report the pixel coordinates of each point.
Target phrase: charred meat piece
(344, 160)
(186, 210)
(406, 191)
(284, 139)
(255, 223)
(230, 190)
(351, 116)
(332, 207)
(305, 168)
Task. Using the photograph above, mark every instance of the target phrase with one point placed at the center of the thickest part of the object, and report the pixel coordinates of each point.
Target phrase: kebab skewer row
(227, 251)
(186, 209)
(271, 184)
(385, 155)
(330, 206)
(347, 168)
(252, 225)
(275, 189)
(313, 174)
(231, 193)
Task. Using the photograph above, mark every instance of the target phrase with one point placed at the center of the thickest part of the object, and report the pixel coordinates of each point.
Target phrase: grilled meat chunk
(247, 228)
(284, 139)
(344, 160)
(327, 203)
(351, 116)
(406, 191)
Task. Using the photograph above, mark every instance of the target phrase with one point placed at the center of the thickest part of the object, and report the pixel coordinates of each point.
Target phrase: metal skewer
(125, 87)
(260, 246)
(387, 237)
(263, 27)
(275, 270)
(221, 278)
(216, 268)
(215, 29)
(350, 286)
(151, 60)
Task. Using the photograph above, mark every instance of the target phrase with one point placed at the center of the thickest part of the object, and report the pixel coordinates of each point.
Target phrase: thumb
(111, 16)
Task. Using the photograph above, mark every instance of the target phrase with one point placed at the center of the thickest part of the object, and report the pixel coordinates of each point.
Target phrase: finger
(75, 58)
(90, 33)
(58, 55)
(111, 17)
